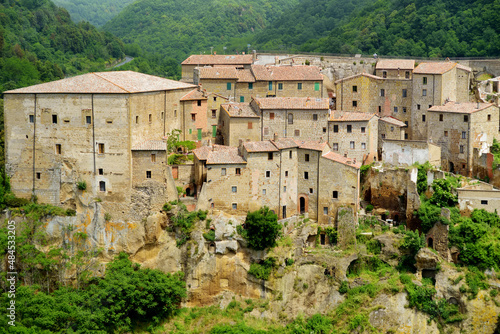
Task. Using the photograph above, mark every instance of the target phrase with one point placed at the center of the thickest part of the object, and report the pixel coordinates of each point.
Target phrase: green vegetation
(495, 150)
(183, 221)
(81, 185)
(422, 177)
(261, 229)
(97, 12)
(209, 236)
(262, 270)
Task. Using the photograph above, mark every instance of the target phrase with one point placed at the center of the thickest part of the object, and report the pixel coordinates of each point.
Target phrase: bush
(16, 202)
(442, 196)
(261, 229)
(262, 271)
(344, 287)
(369, 208)
(209, 236)
(81, 185)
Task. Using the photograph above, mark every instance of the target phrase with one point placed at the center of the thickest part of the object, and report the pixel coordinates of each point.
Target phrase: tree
(261, 229)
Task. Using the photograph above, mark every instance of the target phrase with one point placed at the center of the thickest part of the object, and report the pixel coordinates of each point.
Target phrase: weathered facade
(409, 152)
(194, 61)
(239, 122)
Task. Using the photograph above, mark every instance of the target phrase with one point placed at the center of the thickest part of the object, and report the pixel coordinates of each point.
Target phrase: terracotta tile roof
(393, 121)
(195, 94)
(292, 103)
(239, 110)
(341, 159)
(260, 146)
(218, 60)
(434, 68)
(394, 64)
(203, 152)
(351, 116)
(119, 82)
(371, 76)
(311, 145)
(228, 155)
(463, 67)
(287, 73)
(284, 143)
(151, 145)
(461, 108)
(245, 75)
(218, 73)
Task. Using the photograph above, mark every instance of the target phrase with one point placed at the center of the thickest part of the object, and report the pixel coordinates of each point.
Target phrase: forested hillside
(180, 28)
(417, 28)
(97, 12)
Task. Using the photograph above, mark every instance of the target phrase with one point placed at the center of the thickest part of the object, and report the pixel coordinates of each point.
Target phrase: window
(315, 117)
(424, 92)
(228, 86)
(423, 118)
(280, 86)
(175, 112)
(484, 202)
(215, 98)
(136, 119)
(271, 115)
(464, 135)
(102, 186)
(382, 92)
(263, 191)
(395, 109)
(250, 85)
(32, 118)
(404, 109)
(316, 86)
(242, 98)
(290, 154)
(352, 145)
(363, 146)
(286, 173)
(214, 113)
(199, 103)
(311, 191)
(100, 171)
(406, 136)
(335, 128)
(290, 118)
(150, 118)
(446, 133)
(461, 148)
(266, 131)
(299, 86)
(153, 157)
(284, 189)
(349, 128)
(379, 108)
(407, 75)
(38, 175)
(270, 85)
(306, 175)
(363, 129)
(162, 115)
(214, 131)
(250, 125)
(222, 171)
(489, 118)
(325, 210)
(88, 119)
(466, 118)
(148, 174)
(406, 123)
(354, 104)
(237, 171)
(335, 146)
(424, 80)
(418, 106)
(190, 131)
(212, 205)
(235, 206)
(297, 133)
(440, 117)
(335, 194)
(58, 148)
(101, 148)
(324, 130)
(383, 135)
(405, 93)
(306, 157)
(354, 89)
(384, 74)
(270, 156)
(234, 189)
(268, 173)
(193, 117)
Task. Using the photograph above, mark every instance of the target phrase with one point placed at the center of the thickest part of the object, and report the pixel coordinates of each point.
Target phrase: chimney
(275, 136)
(213, 148)
(354, 160)
(254, 54)
(345, 155)
(477, 107)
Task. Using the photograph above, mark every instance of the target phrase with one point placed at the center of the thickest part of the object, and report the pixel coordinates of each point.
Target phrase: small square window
(335, 146)
(38, 175)
(214, 113)
(392, 129)
(263, 191)
(335, 128)
(100, 171)
(466, 118)
(199, 103)
(297, 133)
(489, 118)
(271, 115)
(324, 130)
(54, 119)
(315, 117)
(306, 157)
(212, 205)
(290, 154)
(382, 92)
(354, 89)
(335, 194)
(280, 86)
(382, 135)
(424, 92)
(352, 145)
(235, 206)
(234, 189)
(270, 156)
(306, 175)
(363, 146)
(238, 171)
(193, 117)
(102, 186)
(222, 171)
(148, 174)
(407, 75)
(250, 125)
(424, 80)
(464, 135)
(462, 149)
(423, 118)
(384, 74)
(32, 118)
(215, 98)
(349, 128)
(150, 118)
(325, 210)
(446, 133)
(101, 148)
(354, 104)
(395, 109)
(404, 109)
(484, 202)
(58, 148)
(88, 119)
(299, 86)
(363, 129)
(311, 191)
(286, 173)
(268, 173)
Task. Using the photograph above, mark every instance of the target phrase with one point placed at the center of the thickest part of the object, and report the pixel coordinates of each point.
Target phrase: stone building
(460, 128)
(390, 128)
(289, 176)
(239, 122)
(193, 61)
(433, 85)
(354, 135)
(90, 128)
(395, 68)
(259, 81)
(408, 152)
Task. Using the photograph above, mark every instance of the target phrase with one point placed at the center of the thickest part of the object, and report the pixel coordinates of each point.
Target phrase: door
(302, 205)
(284, 212)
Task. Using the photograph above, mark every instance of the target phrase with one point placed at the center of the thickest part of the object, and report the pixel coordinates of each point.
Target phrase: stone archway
(303, 204)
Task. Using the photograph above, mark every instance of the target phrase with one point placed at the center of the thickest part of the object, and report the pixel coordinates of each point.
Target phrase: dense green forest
(96, 12)
(179, 28)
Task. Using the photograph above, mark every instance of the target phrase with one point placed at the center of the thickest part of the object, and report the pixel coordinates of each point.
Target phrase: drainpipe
(34, 147)
(93, 131)
(317, 188)
(279, 191)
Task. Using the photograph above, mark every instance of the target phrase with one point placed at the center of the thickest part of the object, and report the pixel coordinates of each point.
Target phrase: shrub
(15, 202)
(209, 236)
(167, 207)
(344, 287)
(262, 271)
(180, 190)
(369, 208)
(107, 216)
(261, 229)
(81, 185)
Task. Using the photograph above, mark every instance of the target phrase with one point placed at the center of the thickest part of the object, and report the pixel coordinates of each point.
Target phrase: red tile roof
(193, 95)
(150, 145)
(245, 75)
(119, 82)
(434, 68)
(463, 67)
(341, 159)
(311, 145)
(351, 116)
(292, 103)
(239, 110)
(260, 146)
(393, 121)
(227, 155)
(395, 64)
(284, 143)
(371, 76)
(461, 108)
(218, 60)
(218, 73)
(202, 152)
(287, 73)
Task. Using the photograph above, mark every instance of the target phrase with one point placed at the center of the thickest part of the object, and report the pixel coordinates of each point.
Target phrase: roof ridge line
(111, 82)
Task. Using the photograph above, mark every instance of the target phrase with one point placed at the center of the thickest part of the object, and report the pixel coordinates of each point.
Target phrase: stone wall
(409, 152)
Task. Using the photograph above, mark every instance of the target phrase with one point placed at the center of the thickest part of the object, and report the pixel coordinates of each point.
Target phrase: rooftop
(343, 160)
(245, 75)
(218, 73)
(260, 146)
(203, 152)
(218, 60)
(150, 145)
(193, 95)
(228, 155)
(461, 108)
(434, 68)
(292, 103)
(395, 64)
(393, 121)
(239, 110)
(371, 76)
(287, 73)
(284, 143)
(311, 145)
(119, 82)
(351, 116)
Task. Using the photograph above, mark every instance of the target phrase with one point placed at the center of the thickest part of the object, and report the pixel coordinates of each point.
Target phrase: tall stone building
(89, 128)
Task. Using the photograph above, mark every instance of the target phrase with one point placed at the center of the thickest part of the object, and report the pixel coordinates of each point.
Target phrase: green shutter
(190, 131)
(242, 99)
(316, 86)
(250, 85)
(214, 131)
(228, 86)
(199, 134)
(270, 85)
